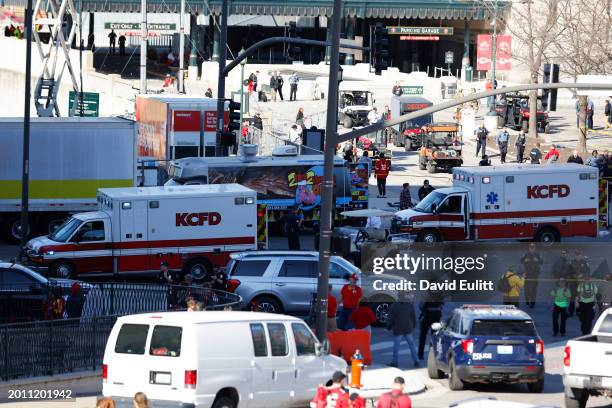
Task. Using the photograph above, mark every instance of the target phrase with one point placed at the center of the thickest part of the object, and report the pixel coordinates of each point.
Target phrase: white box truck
(70, 158)
(192, 228)
(544, 203)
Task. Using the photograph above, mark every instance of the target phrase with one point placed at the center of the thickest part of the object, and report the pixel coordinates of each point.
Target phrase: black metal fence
(51, 343)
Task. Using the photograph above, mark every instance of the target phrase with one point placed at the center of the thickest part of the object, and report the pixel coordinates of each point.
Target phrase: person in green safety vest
(586, 295)
(561, 298)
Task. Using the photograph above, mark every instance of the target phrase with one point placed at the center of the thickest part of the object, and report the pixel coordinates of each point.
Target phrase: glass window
(454, 324)
(299, 269)
(258, 334)
(278, 339)
(305, 343)
(250, 268)
(14, 277)
(503, 328)
(336, 271)
(64, 232)
(132, 339)
(432, 198)
(166, 341)
(451, 206)
(606, 325)
(91, 231)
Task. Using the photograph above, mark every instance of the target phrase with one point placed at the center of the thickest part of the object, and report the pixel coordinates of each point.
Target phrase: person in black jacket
(401, 322)
(279, 85)
(425, 190)
(431, 312)
(273, 85)
(75, 302)
(575, 158)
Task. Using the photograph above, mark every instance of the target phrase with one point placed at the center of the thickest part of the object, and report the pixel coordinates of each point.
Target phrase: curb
(51, 379)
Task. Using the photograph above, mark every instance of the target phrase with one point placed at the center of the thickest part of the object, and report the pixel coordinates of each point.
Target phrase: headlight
(50, 253)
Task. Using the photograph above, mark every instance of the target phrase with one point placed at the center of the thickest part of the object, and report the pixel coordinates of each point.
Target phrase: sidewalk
(378, 380)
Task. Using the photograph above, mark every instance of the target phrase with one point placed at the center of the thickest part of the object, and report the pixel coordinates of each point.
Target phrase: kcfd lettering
(197, 219)
(558, 190)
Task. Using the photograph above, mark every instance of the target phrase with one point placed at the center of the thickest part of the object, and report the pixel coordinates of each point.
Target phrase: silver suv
(285, 281)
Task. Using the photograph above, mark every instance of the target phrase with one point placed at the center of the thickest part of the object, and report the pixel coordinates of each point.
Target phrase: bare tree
(584, 48)
(534, 27)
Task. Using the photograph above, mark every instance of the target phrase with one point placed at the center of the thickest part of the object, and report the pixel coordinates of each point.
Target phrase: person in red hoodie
(332, 396)
(350, 294)
(363, 317)
(381, 171)
(357, 401)
(552, 156)
(396, 397)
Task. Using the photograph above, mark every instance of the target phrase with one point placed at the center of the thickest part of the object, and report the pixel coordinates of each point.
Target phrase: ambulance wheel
(224, 402)
(429, 236)
(62, 269)
(347, 122)
(432, 365)
(198, 268)
(454, 382)
(547, 235)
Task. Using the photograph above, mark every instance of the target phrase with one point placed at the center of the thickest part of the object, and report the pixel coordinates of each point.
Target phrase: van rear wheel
(224, 402)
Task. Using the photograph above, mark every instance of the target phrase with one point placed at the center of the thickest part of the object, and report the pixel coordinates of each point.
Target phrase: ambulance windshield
(432, 198)
(64, 232)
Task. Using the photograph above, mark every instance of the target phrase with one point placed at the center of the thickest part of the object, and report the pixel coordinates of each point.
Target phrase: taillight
(191, 378)
(566, 356)
(539, 347)
(232, 285)
(104, 372)
(467, 346)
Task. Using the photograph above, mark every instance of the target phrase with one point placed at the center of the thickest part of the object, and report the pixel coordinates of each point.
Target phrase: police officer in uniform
(431, 312)
(502, 143)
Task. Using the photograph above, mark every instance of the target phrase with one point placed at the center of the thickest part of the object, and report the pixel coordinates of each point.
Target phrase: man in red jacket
(334, 396)
(396, 397)
(381, 171)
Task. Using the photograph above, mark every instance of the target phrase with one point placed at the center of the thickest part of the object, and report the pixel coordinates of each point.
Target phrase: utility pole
(144, 37)
(222, 150)
(327, 195)
(493, 58)
(25, 174)
(181, 78)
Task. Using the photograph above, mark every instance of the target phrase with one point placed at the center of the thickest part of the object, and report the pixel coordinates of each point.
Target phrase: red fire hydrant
(356, 367)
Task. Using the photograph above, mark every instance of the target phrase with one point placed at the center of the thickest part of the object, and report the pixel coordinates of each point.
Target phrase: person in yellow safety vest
(587, 294)
(512, 287)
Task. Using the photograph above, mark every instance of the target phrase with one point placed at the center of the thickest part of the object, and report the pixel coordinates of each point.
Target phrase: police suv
(487, 344)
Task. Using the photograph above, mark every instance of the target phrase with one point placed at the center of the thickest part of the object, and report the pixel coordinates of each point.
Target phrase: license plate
(504, 350)
(162, 378)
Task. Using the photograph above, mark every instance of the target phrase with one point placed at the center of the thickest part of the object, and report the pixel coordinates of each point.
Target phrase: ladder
(61, 18)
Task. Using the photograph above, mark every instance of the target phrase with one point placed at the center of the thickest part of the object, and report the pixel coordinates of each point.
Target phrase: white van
(219, 359)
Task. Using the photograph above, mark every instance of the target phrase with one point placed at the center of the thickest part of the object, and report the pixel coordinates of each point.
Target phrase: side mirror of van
(434, 208)
(322, 349)
(437, 326)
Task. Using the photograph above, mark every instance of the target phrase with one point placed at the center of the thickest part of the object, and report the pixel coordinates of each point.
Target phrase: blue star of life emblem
(492, 197)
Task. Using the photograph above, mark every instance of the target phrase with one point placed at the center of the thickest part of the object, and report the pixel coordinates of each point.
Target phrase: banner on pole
(484, 46)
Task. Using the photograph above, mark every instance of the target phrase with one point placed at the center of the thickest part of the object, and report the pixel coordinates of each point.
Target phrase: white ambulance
(193, 228)
(541, 202)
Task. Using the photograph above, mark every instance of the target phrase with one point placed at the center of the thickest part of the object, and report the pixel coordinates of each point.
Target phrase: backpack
(503, 284)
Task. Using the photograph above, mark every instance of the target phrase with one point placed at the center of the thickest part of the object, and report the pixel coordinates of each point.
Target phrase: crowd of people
(576, 291)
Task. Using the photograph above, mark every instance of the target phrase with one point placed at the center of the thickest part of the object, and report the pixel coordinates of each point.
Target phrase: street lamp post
(493, 59)
(242, 64)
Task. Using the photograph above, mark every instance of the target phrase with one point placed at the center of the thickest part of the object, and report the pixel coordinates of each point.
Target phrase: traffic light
(293, 50)
(549, 96)
(227, 137)
(380, 49)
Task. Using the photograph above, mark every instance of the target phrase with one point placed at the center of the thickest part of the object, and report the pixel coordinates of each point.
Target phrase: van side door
(92, 247)
(309, 369)
(261, 391)
(451, 217)
(280, 370)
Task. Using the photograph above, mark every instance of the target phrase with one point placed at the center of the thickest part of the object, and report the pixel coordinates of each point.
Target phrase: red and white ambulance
(541, 202)
(193, 228)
